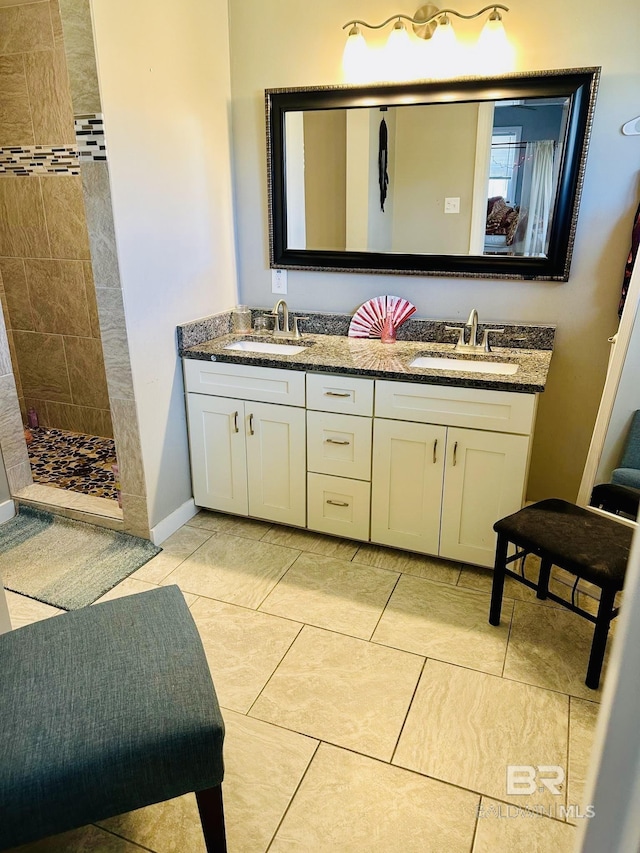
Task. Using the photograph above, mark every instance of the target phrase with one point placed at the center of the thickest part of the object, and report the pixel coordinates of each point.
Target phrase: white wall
(292, 48)
(164, 80)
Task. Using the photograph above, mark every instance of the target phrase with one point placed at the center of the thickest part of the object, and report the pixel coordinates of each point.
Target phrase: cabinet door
(406, 491)
(484, 480)
(276, 462)
(218, 458)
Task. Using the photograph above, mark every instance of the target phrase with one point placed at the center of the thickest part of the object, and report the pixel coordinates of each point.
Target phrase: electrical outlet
(452, 205)
(278, 281)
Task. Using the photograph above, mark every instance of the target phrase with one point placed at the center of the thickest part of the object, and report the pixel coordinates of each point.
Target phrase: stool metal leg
(498, 580)
(212, 819)
(543, 578)
(599, 643)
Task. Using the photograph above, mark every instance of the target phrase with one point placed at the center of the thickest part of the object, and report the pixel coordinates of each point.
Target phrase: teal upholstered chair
(628, 474)
(105, 710)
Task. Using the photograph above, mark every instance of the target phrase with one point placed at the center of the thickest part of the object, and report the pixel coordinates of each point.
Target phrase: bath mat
(66, 563)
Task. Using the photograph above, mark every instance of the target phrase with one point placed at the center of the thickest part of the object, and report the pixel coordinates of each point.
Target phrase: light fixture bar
(420, 21)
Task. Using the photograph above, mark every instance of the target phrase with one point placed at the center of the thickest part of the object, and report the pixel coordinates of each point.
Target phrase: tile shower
(46, 283)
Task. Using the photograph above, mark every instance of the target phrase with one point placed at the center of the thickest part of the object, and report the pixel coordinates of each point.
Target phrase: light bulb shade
(494, 52)
(355, 59)
(399, 58)
(444, 52)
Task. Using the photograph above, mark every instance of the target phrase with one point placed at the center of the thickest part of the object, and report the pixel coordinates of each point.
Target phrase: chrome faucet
(285, 332)
(472, 344)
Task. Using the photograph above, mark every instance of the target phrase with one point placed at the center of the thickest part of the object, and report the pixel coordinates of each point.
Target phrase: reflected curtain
(537, 196)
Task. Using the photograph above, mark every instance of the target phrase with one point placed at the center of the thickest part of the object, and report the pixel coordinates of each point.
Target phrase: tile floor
(369, 706)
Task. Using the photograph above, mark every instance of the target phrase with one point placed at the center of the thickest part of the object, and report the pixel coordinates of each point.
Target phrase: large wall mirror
(470, 177)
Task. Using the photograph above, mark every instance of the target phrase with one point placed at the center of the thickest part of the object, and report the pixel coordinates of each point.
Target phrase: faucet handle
(460, 329)
(485, 338)
(297, 334)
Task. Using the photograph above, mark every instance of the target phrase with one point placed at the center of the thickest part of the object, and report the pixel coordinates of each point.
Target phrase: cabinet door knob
(251, 432)
(455, 453)
(435, 444)
(336, 441)
(337, 503)
(235, 422)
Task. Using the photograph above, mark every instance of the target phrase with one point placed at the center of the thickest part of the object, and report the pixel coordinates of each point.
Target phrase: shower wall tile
(14, 450)
(24, 28)
(115, 345)
(58, 297)
(17, 294)
(19, 476)
(136, 518)
(66, 220)
(23, 228)
(51, 110)
(15, 115)
(79, 419)
(78, 40)
(43, 366)
(127, 437)
(86, 372)
(92, 302)
(5, 353)
(14, 362)
(97, 195)
(56, 24)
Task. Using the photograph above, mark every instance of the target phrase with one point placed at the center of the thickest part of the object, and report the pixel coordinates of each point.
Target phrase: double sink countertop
(331, 353)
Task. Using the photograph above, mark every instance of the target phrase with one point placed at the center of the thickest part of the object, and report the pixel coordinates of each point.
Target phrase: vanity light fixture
(403, 60)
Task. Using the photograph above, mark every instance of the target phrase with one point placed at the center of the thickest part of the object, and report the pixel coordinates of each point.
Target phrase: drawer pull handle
(251, 432)
(435, 444)
(336, 394)
(455, 452)
(337, 503)
(235, 422)
(336, 441)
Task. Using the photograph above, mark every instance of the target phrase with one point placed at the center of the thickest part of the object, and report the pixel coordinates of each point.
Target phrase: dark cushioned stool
(587, 545)
(105, 710)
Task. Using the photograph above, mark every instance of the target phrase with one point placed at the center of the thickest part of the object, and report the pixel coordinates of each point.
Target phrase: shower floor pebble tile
(357, 745)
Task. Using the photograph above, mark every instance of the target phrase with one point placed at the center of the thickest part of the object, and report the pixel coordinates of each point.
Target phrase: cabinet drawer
(264, 384)
(497, 411)
(339, 445)
(338, 506)
(348, 395)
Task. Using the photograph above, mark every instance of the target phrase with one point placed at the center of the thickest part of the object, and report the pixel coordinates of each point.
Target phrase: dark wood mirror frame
(578, 85)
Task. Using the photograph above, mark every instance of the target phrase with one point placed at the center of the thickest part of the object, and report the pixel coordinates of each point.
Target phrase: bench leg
(599, 643)
(498, 580)
(212, 819)
(543, 579)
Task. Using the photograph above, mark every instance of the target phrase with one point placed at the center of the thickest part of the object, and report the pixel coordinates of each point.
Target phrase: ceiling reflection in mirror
(431, 179)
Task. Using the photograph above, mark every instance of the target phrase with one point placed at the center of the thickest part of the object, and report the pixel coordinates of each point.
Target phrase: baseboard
(163, 529)
(7, 511)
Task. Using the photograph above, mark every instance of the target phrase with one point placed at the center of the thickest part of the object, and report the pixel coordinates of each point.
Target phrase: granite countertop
(372, 358)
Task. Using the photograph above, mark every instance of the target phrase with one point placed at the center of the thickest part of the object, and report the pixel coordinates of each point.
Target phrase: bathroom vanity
(346, 437)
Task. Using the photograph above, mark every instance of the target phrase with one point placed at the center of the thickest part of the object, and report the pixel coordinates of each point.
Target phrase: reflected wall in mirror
(469, 177)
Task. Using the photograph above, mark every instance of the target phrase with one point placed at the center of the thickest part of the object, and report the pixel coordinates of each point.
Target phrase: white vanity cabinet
(428, 468)
(247, 455)
(448, 463)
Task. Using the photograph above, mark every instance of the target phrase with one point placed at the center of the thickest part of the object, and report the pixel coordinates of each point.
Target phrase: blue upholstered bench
(105, 710)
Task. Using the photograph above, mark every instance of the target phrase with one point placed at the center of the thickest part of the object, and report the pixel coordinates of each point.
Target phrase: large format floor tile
(582, 724)
(132, 586)
(421, 565)
(315, 543)
(233, 569)
(23, 611)
(88, 839)
(219, 522)
(333, 594)
(467, 727)
(351, 804)
(444, 622)
(550, 648)
(342, 690)
(243, 648)
(504, 828)
(175, 550)
(170, 827)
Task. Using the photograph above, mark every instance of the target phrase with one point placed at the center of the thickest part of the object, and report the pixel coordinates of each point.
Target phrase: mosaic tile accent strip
(21, 160)
(90, 137)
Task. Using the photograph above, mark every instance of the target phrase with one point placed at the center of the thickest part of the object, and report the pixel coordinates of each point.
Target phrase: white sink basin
(464, 364)
(261, 346)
